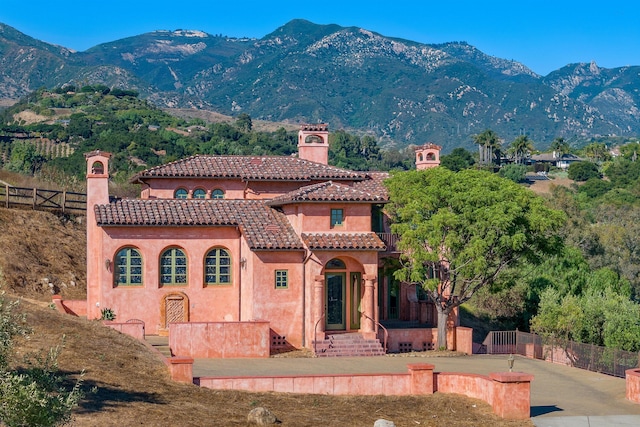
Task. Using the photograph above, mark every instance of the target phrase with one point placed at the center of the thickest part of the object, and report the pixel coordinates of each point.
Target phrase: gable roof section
(343, 241)
(373, 184)
(327, 191)
(263, 228)
(250, 168)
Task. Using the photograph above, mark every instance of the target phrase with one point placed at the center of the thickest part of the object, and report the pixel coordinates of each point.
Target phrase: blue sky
(544, 35)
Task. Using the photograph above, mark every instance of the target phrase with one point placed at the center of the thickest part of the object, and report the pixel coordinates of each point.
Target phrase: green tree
(582, 171)
(458, 160)
(520, 148)
(560, 145)
(460, 231)
(596, 151)
(515, 173)
(488, 145)
(25, 158)
(244, 122)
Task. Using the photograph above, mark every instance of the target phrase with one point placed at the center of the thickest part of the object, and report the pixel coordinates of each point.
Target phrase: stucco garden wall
(220, 339)
(508, 393)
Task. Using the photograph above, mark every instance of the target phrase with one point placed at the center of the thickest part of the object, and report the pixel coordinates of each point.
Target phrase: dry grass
(546, 187)
(132, 385)
(39, 249)
(213, 117)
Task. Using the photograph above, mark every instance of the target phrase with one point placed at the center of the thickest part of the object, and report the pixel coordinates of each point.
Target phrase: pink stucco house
(233, 255)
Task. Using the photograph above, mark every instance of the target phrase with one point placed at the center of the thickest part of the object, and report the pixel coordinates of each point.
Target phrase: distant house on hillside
(556, 159)
(240, 243)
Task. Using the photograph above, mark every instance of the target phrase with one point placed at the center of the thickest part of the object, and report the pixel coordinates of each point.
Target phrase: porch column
(318, 306)
(368, 306)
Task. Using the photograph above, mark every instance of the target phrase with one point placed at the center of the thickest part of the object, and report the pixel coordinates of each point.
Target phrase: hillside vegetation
(48, 132)
(400, 91)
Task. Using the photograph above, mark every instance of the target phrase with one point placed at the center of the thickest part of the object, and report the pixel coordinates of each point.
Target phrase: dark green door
(335, 301)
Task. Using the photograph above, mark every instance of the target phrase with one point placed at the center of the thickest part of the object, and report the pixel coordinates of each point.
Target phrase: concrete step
(159, 343)
(348, 345)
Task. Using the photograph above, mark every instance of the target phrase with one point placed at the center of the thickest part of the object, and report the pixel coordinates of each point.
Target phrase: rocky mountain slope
(402, 91)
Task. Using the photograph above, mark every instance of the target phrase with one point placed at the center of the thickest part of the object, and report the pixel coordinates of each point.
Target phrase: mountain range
(401, 91)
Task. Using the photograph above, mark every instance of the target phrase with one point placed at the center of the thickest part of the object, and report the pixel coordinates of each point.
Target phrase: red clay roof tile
(249, 215)
(272, 168)
(343, 241)
(326, 192)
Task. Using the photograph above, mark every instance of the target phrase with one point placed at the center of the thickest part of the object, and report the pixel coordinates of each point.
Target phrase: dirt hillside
(42, 254)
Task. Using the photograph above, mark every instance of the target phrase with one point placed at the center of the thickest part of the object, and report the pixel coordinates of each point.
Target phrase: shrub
(38, 394)
(582, 171)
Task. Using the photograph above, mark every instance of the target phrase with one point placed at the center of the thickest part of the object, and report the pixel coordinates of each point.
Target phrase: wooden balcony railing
(390, 240)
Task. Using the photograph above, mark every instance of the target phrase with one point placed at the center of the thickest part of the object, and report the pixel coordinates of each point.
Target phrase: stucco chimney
(313, 143)
(97, 194)
(428, 156)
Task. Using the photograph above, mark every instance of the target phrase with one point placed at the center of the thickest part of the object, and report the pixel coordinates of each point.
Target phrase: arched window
(199, 193)
(217, 267)
(128, 268)
(180, 193)
(336, 264)
(217, 194)
(313, 139)
(173, 267)
(97, 168)
(420, 157)
(431, 156)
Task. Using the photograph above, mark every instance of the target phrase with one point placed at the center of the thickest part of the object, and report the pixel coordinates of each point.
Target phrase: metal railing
(590, 357)
(385, 332)
(315, 334)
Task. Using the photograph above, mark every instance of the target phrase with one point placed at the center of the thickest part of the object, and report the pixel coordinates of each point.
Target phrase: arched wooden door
(174, 308)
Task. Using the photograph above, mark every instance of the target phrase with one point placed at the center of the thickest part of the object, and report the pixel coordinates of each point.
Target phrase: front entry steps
(347, 345)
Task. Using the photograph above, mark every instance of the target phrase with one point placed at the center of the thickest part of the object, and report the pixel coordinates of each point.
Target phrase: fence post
(6, 193)
(64, 200)
(35, 197)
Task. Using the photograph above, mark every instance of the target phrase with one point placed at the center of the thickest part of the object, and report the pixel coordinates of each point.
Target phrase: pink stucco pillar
(421, 378)
(512, 394)
(181, 369)
(368, 327)
(318, 306)
(633, 385)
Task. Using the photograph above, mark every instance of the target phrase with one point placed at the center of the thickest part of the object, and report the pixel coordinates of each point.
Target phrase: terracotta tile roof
(373, 184)
(327, 191)
(343, 241)
(269, 168)
(262, 227)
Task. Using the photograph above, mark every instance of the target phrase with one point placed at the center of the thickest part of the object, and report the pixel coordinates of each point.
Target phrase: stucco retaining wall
(211, 340)
(73, 307)
(508, 392)
(134, 329)
(423, 339)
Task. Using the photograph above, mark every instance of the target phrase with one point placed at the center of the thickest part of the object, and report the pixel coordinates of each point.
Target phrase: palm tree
(488, 146)
(560, 145)
(595, 151)
(520, 148)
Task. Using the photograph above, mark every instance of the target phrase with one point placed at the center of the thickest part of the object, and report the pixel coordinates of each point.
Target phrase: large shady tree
(460, 230)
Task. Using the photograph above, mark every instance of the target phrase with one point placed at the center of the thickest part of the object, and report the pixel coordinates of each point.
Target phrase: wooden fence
(36, 198)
